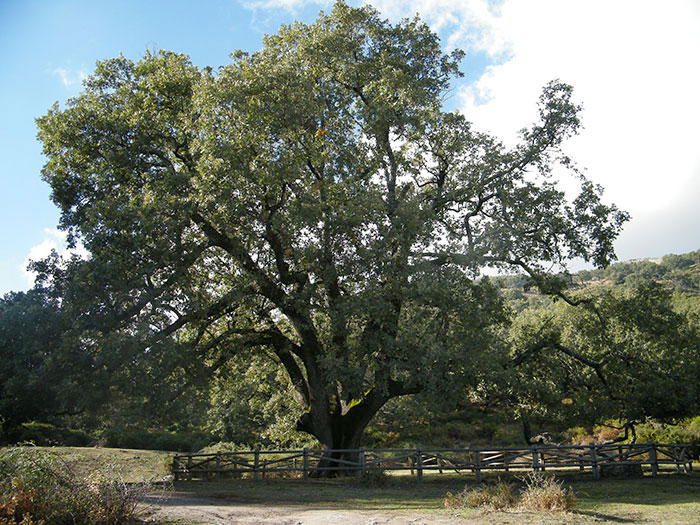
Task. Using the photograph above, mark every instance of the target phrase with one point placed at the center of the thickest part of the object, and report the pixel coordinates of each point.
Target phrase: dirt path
(212, 511)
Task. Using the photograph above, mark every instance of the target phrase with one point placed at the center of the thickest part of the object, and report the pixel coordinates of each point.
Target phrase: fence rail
(599, 459)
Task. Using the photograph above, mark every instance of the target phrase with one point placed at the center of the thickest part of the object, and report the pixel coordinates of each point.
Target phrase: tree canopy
(625, 353)
(312, 202)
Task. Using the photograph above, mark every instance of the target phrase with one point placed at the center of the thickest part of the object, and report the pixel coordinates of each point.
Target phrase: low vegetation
(537, 494)
(38, 487)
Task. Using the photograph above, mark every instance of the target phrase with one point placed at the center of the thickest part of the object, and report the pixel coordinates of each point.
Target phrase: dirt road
(200, 510)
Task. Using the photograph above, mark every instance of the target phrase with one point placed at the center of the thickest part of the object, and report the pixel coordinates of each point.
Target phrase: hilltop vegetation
(677, 273)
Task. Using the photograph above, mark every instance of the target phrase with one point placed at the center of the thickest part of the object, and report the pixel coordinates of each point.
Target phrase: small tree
(313, 201)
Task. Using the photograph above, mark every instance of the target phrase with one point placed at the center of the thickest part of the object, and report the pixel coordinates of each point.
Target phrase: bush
(37, 487)
(498, 496)
(44, 434)
(686, 432)
(545, 494)
(375, 478)
(137, 438)
(539, 494)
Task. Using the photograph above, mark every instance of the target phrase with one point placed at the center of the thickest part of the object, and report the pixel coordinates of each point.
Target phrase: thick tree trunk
(341, 457)
(341, 435)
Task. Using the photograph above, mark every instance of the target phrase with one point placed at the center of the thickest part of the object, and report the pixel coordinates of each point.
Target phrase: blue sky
(633, 64)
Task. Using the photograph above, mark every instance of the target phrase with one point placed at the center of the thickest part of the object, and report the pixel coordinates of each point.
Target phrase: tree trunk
(341, 458)
(340, 435)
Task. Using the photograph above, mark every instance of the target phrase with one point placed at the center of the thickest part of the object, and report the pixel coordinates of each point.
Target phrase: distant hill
(680, 273)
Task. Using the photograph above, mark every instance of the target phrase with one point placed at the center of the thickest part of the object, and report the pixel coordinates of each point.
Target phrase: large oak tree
(313, 201)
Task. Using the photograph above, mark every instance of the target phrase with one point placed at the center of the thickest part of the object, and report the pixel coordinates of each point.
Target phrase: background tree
(312, 200)
(43, 369)
(627, 354)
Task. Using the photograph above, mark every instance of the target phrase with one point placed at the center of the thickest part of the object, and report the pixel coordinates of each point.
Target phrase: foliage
(37, 487)
(45, 367)
(685, 431)
(139, 438)
(625, 353)
(419, 421)
(311, 201)
(374, 477)
(45, 434)
(252, 401)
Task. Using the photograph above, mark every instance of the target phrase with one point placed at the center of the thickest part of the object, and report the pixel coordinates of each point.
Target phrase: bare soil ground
(178, 508)
(185, 509)
(674, 499)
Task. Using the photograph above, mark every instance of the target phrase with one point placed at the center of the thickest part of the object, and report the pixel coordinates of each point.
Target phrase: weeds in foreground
(37, 487)
(540, 494)
(546, 494)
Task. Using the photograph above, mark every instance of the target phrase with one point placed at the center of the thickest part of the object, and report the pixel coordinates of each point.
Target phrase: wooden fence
(599, 459)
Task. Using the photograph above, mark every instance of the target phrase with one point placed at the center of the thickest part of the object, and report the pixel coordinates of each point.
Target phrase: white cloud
(64, 76)
(633, 65)
(53, 240)
(467, 24)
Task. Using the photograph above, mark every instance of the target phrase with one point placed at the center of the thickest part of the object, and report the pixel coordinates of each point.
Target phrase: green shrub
(137, 438)
(37, 487)
(686, 432)
(44, 434)
(374, 477)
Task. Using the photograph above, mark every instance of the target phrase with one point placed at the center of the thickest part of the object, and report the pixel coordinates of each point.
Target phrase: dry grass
(546, 495)
(539, 494)
(499, 496)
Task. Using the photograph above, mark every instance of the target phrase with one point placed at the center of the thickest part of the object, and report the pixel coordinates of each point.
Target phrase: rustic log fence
(601, 460)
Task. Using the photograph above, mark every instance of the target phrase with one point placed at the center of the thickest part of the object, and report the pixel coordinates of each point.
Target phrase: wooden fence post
(176, 469)
(535, 460)
(189, 468)
(683, 459)
(361, 458)
(256, 463)
(217, 466)
(594, 457)
(305, 464)
(419, 466)
(477, 465)
(654, 460)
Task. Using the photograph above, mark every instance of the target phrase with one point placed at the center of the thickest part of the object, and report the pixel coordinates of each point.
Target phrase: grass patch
(133, 466)
(546, 494)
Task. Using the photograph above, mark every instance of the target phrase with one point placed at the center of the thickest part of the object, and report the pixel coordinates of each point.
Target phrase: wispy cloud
(69, 78)
(291, 6)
